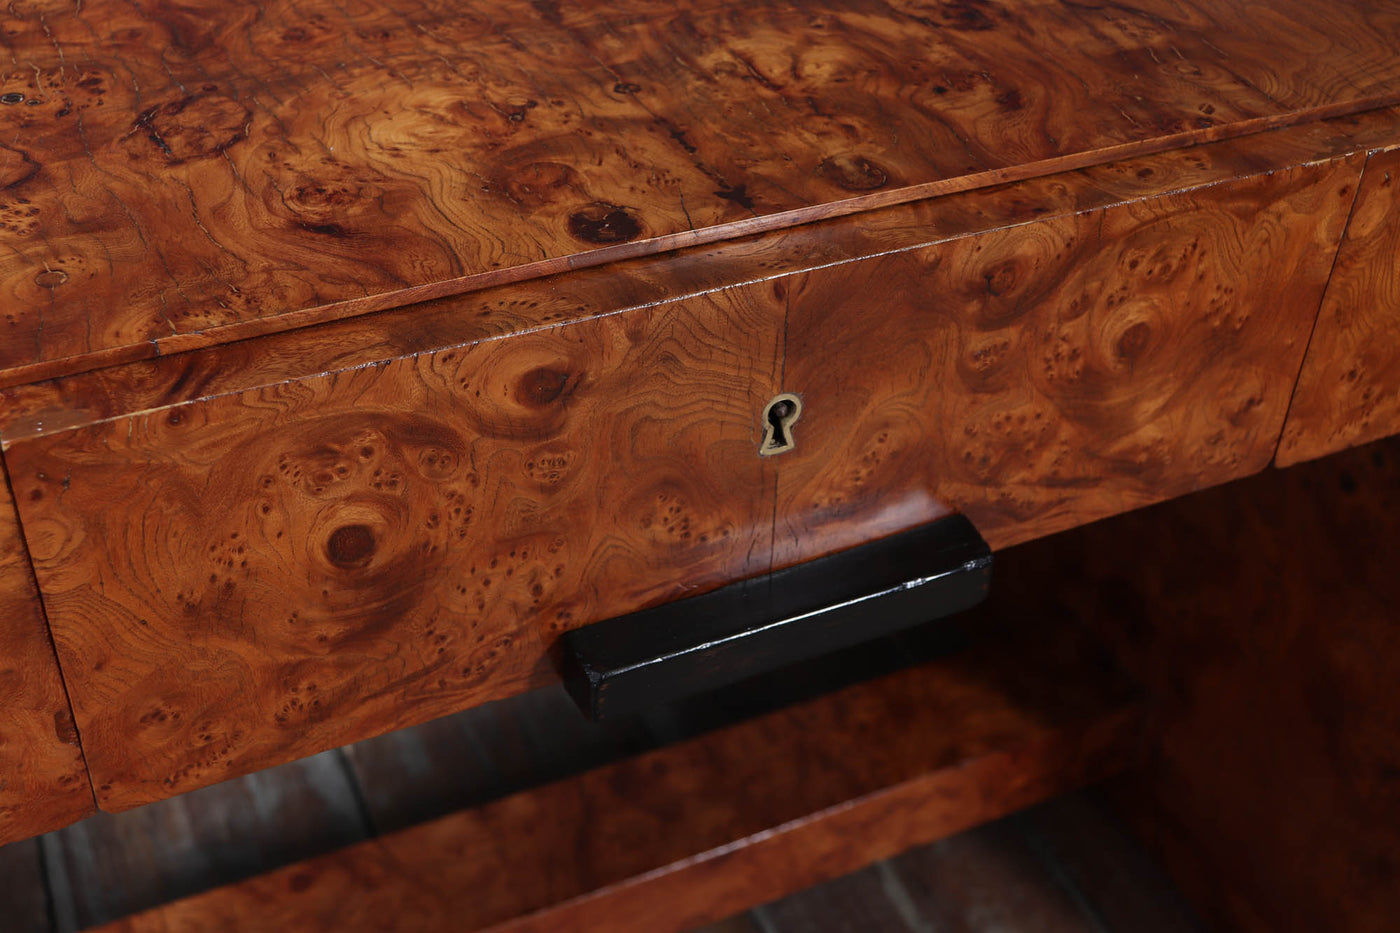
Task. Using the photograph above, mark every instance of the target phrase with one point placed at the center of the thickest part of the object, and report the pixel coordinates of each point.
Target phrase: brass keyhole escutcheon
(778, 418)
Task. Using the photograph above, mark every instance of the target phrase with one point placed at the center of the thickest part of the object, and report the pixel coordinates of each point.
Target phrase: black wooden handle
(625, 664)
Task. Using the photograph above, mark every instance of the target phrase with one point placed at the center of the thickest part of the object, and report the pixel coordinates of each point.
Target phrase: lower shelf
(697, 831)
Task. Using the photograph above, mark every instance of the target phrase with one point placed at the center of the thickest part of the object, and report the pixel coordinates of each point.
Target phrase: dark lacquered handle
(629, 663)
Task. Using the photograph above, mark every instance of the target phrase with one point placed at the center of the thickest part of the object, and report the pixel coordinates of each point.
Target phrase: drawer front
(43, 783)
(1349, 390)
(241, 580)
(1049, 375)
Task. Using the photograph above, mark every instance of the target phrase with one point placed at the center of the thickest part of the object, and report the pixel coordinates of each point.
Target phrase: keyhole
(779, 417)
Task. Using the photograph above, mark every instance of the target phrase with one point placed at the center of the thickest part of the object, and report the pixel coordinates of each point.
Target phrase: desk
(354, 354)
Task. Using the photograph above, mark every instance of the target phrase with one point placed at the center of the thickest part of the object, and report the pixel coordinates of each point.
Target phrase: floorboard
(988, 880)
(115, 864)
(24, 901)
(1119, 882)
(465, 760)
(857, 903)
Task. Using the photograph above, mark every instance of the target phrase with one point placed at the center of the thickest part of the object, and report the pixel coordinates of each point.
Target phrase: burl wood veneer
(43, 781)
(596, 241)
(1049, 374)
(253, 576)
(185, 174)
(1349, 390)
(263, 575)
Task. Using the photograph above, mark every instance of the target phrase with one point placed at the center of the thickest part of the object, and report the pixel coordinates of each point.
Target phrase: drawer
(255, 576)
(1054, 373)
(1349, 390)
(260, 576)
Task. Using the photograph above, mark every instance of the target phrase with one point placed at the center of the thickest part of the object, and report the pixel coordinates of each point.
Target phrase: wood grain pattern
(1349, 389)
(55, 405)
(180, 174)
(692, 833)
(1053, 373)
(1263, 627)
(43, 779)
(291, 543)
(302, 566)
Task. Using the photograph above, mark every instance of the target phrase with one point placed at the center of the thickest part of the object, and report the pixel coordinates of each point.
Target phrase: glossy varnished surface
(43, 782)
(697, 831)
(627, 664)
(1349, 390)
(317, 562)
(56, 405)
(180, 174)
(1050, 374)
(348, 553)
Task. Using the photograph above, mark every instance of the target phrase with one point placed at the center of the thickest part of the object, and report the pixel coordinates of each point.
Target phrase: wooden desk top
(180, 174)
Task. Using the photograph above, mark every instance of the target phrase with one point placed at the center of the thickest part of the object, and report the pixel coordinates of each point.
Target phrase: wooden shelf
(701, 829)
